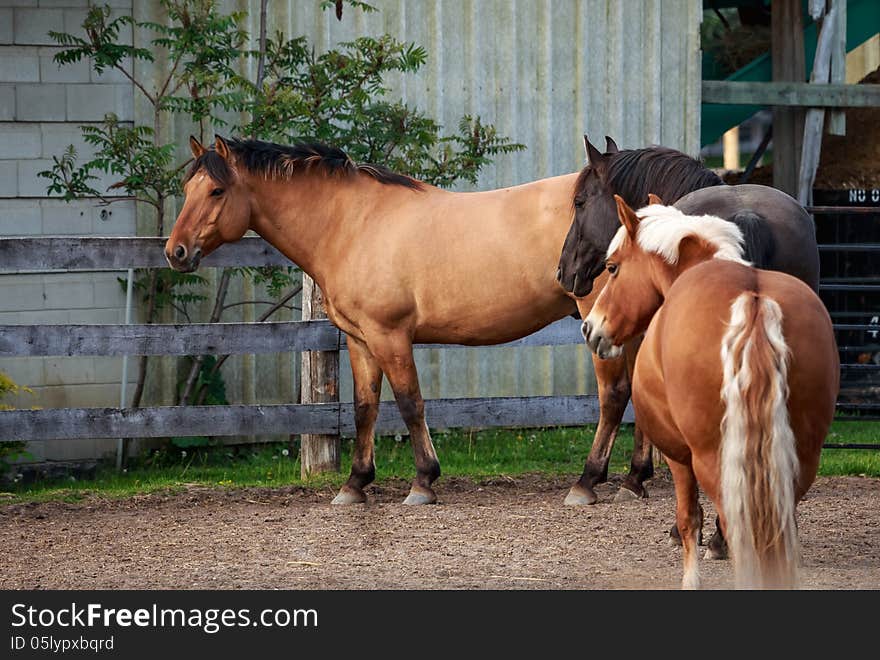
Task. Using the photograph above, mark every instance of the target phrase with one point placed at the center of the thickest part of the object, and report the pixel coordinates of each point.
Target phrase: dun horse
(735, 381)
(398, 261)
(779, 235)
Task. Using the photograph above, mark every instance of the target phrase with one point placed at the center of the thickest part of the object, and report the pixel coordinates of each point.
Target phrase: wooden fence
(67, 254)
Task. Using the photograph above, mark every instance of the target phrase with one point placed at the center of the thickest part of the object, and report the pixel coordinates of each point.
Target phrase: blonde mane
(662, 229)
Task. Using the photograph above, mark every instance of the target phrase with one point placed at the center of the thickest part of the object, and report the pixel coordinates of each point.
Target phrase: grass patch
(861, 462)
(475, 454)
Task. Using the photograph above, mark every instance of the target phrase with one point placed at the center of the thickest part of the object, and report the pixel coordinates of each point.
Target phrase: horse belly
(484, 323)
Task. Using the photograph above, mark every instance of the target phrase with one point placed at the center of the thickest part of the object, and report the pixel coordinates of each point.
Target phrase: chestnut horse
(398, 262)
(735, 381)
(779, 236)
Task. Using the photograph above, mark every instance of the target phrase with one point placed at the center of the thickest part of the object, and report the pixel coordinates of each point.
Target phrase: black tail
(760, 246)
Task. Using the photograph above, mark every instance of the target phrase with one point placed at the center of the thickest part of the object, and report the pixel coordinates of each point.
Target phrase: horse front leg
(395, 357)
(614, 392)
(641, 467)
(367, 377)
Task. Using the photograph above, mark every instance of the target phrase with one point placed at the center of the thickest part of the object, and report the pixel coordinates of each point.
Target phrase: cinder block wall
(42, 107)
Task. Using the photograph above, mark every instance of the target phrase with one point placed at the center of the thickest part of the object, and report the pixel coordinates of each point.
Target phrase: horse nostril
(586, 326)
(179, 252)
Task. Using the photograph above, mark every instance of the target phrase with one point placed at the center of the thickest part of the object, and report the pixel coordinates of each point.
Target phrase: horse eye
(612, 268)
(216, 192)
(579, 203)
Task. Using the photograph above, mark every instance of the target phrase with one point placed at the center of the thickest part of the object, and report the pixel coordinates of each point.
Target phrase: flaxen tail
(759, 463)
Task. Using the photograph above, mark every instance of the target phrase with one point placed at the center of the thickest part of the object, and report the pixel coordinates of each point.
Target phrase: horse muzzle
(596, 339)
(579, 285)
(181, 259)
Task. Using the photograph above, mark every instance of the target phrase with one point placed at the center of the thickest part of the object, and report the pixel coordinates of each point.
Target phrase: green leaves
(144, 168)
(275, 278)
(101, 42)
(339, 97)
(338, 4)
(68, 180)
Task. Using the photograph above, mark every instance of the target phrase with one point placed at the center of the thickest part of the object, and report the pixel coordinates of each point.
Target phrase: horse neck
(664, 274)
(300, 215)
(636, 173)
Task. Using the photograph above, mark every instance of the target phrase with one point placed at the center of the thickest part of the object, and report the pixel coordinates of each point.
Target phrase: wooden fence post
(787, 55)
(320, 384)
(815, 118)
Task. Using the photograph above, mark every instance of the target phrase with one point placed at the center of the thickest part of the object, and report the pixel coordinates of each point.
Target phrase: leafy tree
(201, 46)
(338, 97)
(10, 450)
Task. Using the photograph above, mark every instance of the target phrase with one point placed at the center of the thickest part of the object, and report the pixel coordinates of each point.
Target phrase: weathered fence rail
(74, 253)
(66, 253)
(316, 418)
(212, 338)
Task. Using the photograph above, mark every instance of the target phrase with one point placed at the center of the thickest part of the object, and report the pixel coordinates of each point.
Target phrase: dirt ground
(499, 534)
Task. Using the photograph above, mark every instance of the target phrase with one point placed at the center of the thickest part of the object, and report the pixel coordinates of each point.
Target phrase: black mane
(276, 160)
(670, 174)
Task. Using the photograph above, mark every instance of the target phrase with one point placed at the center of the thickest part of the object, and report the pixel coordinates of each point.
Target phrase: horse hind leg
(689, 519)
(396, 360)
(717, 546)
(367, 379)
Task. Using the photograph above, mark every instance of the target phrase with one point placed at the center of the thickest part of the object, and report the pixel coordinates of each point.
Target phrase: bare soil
(498, 534)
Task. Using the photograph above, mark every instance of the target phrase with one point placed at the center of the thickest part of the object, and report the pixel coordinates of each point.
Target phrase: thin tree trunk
(151, 308)
(203, 390)
(196, 366)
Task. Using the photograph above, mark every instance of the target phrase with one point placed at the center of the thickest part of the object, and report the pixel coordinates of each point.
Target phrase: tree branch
(220, 360)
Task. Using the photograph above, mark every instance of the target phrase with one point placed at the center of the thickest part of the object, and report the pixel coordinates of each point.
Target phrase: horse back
(779, 234)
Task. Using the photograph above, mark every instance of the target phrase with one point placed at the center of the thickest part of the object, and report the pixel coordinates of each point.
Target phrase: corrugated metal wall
(544, 72)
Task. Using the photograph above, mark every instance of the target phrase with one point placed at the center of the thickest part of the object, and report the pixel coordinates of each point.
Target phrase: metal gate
(848, 233)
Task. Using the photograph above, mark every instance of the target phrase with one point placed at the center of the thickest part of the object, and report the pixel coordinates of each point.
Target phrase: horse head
(629, 298)
(594, 224)
(216, 210)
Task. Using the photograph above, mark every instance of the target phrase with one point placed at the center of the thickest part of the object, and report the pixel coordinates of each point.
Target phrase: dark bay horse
(779, 235)
(735, 381)
(398, 262)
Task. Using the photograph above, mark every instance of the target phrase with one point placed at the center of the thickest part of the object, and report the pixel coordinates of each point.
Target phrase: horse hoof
(580, 496)
(420, 495)
(624, 494)
(350, 495)
(716, 548)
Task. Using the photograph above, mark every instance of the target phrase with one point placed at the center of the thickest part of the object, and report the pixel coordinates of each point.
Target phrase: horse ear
(594, 156)
(222, 148)
(610, 146)
(654, 199)
(627, 216)
(195, 146)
